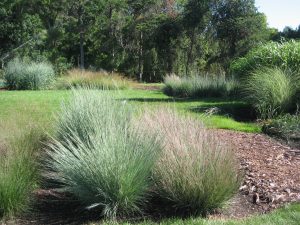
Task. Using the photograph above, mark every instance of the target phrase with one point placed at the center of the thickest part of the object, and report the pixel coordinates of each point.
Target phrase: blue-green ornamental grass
(199, 86)
(99, 157)
(26, 75)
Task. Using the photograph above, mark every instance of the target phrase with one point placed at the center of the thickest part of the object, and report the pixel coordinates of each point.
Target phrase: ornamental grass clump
(196, 172)
(272, 91)
(94, 80)
(285, 55)
(199, 86)
(21, 75)
(99, 157)
(18, 173)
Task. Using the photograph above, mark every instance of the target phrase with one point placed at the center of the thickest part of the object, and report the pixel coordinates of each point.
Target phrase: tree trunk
(190, 53)
(81, 51)
(141, 61)
(81, 30)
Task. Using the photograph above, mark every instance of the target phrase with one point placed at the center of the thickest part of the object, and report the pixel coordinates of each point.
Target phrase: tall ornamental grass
(18, 174)
(285, 56)
(96, 80)
(271, 91)
(21, 75)
(199, 86)
(196, 172)
(99, 157)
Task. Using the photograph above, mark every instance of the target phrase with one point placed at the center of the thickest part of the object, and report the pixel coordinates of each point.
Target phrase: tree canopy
(140, 38)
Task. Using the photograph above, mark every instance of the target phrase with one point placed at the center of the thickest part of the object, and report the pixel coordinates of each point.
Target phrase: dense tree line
(141, 38)
(287, 34)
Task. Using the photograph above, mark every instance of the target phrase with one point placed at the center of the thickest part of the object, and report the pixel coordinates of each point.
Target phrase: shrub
(284, 55)
(99, 157)
(19, 75)
(95, 80)
(198, 86)
(286, 127)
(196, 172)
(61, 65)
(271, 91)
(18, 174)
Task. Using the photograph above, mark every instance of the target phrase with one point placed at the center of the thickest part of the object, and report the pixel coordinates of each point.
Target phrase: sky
(280, 13)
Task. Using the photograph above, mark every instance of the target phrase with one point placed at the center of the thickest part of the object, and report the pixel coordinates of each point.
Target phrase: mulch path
(272, 174)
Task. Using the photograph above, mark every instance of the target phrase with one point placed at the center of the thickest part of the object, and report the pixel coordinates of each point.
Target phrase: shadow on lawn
(50, 210)
(181, 100)
(240, 112)
(166, 100)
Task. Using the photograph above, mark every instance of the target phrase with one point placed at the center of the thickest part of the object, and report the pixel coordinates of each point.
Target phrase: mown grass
(288, 215)
(41, 105)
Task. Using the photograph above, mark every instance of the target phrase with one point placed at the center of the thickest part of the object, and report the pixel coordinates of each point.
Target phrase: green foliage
(196, 172)
(288, 33)
(61, 65)
(21, 75)
(239, 26)
(99, 157)
(18, 173)
(141, 38)
(271, 91)
(199, 86)
(284, 55)
(286, 127)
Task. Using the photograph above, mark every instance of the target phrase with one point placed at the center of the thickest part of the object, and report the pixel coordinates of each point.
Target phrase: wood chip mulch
(272, 173)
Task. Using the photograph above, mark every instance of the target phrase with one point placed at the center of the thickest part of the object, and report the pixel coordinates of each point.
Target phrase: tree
(238, 26)
(194, 19)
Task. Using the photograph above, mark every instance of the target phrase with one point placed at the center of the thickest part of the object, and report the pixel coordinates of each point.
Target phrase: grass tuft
(99, 157)
(196, 173)
(199, 86)
(21, 75)
(271, 91)
(95, 80)
(18, 173)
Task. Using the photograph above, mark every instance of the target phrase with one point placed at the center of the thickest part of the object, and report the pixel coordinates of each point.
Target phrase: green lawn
(289, 215)
(39, 107)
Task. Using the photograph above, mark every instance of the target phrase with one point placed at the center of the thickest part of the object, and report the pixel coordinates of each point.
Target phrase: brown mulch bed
(272, 173)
